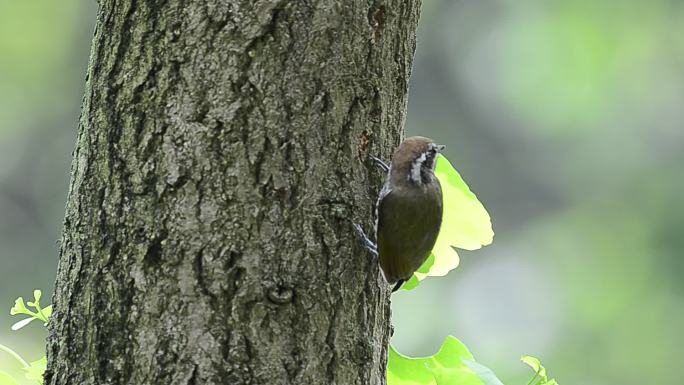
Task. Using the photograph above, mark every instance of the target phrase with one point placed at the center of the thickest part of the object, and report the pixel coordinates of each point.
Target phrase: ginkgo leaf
(465, 222)
(535, 364)
(456, 376)
(465, 225)
(47, 312)
(453, 364)
(6, 379)
(539, 369)
(22, 323)
(36, 370)
(411, 284)
(404, 370)
(19, 307)
(483, 373)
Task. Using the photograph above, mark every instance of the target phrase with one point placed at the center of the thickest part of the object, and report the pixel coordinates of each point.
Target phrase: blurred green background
(564, 116)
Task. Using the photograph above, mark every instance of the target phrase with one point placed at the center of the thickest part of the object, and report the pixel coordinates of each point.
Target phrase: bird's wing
(407, 229)
(394, 255)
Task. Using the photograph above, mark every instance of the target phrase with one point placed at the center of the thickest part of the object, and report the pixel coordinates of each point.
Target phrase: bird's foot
(365, 241)
(380, 163)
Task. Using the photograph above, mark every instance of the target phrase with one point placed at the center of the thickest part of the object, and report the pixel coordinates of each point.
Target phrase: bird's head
(413, 162)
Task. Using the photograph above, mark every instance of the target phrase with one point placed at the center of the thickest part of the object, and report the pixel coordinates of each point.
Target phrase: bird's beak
(440, 147)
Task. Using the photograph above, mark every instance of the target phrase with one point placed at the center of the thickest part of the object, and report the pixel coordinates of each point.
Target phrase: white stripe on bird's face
(415, 174)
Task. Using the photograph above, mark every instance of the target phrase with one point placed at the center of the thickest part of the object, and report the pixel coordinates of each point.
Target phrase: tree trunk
(220, 159)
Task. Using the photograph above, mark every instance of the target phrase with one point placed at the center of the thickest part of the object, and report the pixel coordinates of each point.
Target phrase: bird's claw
(365, 241)
(384, 166)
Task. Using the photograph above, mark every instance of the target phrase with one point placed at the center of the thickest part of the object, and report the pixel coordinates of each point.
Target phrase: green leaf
(456, 376)
(411, 284)
(47, 312)
(539, 369)
(419, 274)
(404, 370)
(484, 373)
(465, 224)
(22, 323)
(36, 370)
(36, 299)
(427, 265)
(6, 379)
(424, 269)
(36, 296)
(19, 307)
(536, 365)
(453, 364)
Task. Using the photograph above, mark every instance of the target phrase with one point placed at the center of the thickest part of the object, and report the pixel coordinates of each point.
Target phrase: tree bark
(220, 159)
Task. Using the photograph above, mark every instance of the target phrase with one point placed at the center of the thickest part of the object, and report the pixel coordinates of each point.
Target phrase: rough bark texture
(220, 157)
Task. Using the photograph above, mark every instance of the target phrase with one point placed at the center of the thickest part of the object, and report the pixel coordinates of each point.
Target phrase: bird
(408, 210)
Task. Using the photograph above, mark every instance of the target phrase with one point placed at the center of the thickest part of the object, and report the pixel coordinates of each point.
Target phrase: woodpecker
(408, 210)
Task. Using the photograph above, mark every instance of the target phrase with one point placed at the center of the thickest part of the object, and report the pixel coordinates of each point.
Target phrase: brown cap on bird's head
(414, 160)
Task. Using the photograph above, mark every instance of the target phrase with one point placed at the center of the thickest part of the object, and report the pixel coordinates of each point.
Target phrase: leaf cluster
(32, 370)
(465, 225)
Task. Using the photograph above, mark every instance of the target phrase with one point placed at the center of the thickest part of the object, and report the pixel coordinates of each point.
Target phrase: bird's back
(407, 229)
